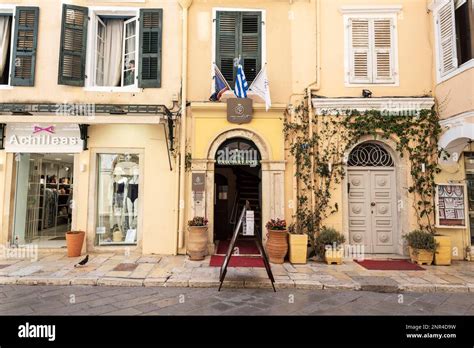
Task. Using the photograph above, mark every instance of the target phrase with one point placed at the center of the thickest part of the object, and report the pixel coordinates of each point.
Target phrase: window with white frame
(454, 22)
(371, 52)
(115, 53)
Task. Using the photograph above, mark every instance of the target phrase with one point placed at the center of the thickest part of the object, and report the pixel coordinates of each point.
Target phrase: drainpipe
(185, 4)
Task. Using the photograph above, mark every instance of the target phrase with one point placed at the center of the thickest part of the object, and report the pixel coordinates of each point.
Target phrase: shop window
(118, 199)
(115, 60)
(239, 35)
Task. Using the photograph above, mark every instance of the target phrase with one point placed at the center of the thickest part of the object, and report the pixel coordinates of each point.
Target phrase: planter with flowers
(277, 243)
(197, 239)
(329, 245)
(298, 246)
(422, 246)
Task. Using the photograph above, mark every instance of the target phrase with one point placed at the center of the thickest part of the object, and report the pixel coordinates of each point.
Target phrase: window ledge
(466, 66)
(6, 87)
(371, 9)
(114, 89)
(371, 85)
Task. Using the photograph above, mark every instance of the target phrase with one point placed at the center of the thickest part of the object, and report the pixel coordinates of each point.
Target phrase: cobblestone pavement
(96, 300)
(113, 269)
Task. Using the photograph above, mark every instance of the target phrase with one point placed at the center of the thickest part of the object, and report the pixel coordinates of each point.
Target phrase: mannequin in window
(132, 198)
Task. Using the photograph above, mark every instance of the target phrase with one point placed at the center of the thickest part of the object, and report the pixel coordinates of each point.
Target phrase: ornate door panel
(360, 222)
(383, 210)
(372, 214)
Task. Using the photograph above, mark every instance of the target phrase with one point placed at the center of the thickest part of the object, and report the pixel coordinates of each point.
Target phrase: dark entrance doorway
(237, 180)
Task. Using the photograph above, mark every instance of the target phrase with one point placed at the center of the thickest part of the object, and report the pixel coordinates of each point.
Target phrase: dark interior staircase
(247, 187)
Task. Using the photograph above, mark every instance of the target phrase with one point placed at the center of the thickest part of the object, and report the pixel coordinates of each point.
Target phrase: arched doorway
(237, 178)
(372, 198)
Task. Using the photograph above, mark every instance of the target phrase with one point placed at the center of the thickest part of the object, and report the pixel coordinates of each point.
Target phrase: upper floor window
(18, 41)
(371, 52)
(239, 36)
(111, 49)
(454, 21)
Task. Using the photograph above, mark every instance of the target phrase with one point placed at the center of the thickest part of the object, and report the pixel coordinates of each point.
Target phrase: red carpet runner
(389, 265)
(245, 247)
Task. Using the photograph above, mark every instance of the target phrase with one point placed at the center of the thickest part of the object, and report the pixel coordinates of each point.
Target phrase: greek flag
(241, 85)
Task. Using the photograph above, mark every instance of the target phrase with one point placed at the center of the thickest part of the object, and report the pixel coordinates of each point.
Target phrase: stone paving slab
(179, 271)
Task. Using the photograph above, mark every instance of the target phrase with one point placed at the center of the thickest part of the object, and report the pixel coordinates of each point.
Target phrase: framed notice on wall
(451, 205)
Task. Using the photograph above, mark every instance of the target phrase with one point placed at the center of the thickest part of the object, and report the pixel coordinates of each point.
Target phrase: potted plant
(298, 245)
(443, 253)
(329, 245)
(422, 246)
(74, 241)
(277, 243)
(197, 241)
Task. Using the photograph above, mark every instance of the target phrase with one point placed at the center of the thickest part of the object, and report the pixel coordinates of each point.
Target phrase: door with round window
(372, 198)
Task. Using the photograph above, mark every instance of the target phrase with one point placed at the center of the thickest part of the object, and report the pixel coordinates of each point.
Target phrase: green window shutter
(25, 43)
(72, 55)
(239, 34)
(149, 67)
(227, 43)
(251, 44)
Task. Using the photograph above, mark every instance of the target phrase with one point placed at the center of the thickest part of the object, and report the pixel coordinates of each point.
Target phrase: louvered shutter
(447, 38)
(72, 56)
(25, 43)
(360, 51)
(251, 44)
(227, 42)
(383, 51)
(149, 69)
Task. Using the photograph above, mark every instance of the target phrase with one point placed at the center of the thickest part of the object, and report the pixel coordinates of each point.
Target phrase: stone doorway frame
(403, 202)
(273, 181)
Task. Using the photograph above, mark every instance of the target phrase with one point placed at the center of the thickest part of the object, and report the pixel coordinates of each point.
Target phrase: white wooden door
(372, 209)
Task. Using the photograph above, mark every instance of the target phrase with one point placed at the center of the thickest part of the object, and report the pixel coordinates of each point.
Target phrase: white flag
(261, 87)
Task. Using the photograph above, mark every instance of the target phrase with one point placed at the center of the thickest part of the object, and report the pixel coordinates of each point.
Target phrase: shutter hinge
(214, 19)
(262, 22)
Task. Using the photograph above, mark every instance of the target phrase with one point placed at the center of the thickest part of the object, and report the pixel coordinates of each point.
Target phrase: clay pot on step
(277, 245)
(197, 242)
(74, 241)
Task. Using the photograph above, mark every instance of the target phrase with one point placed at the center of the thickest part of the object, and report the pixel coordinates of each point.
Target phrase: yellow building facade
(148, 150)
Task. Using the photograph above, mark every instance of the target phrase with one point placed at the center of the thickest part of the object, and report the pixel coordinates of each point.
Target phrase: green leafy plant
(418, 239)
(198, 221)
(327, 236)
(318, 144)
(276, 225)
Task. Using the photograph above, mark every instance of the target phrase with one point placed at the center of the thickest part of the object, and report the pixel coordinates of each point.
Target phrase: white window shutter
(447, 39)
(383, 70)
(360, 48)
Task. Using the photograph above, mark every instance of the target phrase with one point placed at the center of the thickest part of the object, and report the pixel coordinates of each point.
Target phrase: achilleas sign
(43, 138)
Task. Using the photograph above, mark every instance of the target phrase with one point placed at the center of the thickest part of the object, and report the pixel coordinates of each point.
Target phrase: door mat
(58, 238)
(389, 265)
(246, 247)
(237, 261)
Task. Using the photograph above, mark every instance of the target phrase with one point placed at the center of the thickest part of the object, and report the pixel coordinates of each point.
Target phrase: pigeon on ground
(82, 262)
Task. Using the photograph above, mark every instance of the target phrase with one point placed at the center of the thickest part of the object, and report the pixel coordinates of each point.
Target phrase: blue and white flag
(241, 85)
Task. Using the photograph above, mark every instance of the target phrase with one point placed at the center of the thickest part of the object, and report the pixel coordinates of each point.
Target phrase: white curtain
(4, 41)
(113, 52)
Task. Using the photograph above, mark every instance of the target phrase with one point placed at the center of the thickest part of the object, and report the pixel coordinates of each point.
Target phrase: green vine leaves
(318, 144)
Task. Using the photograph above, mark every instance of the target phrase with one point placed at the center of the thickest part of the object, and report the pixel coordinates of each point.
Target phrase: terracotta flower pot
(197, 242)
(74, 240)
(277, 245)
